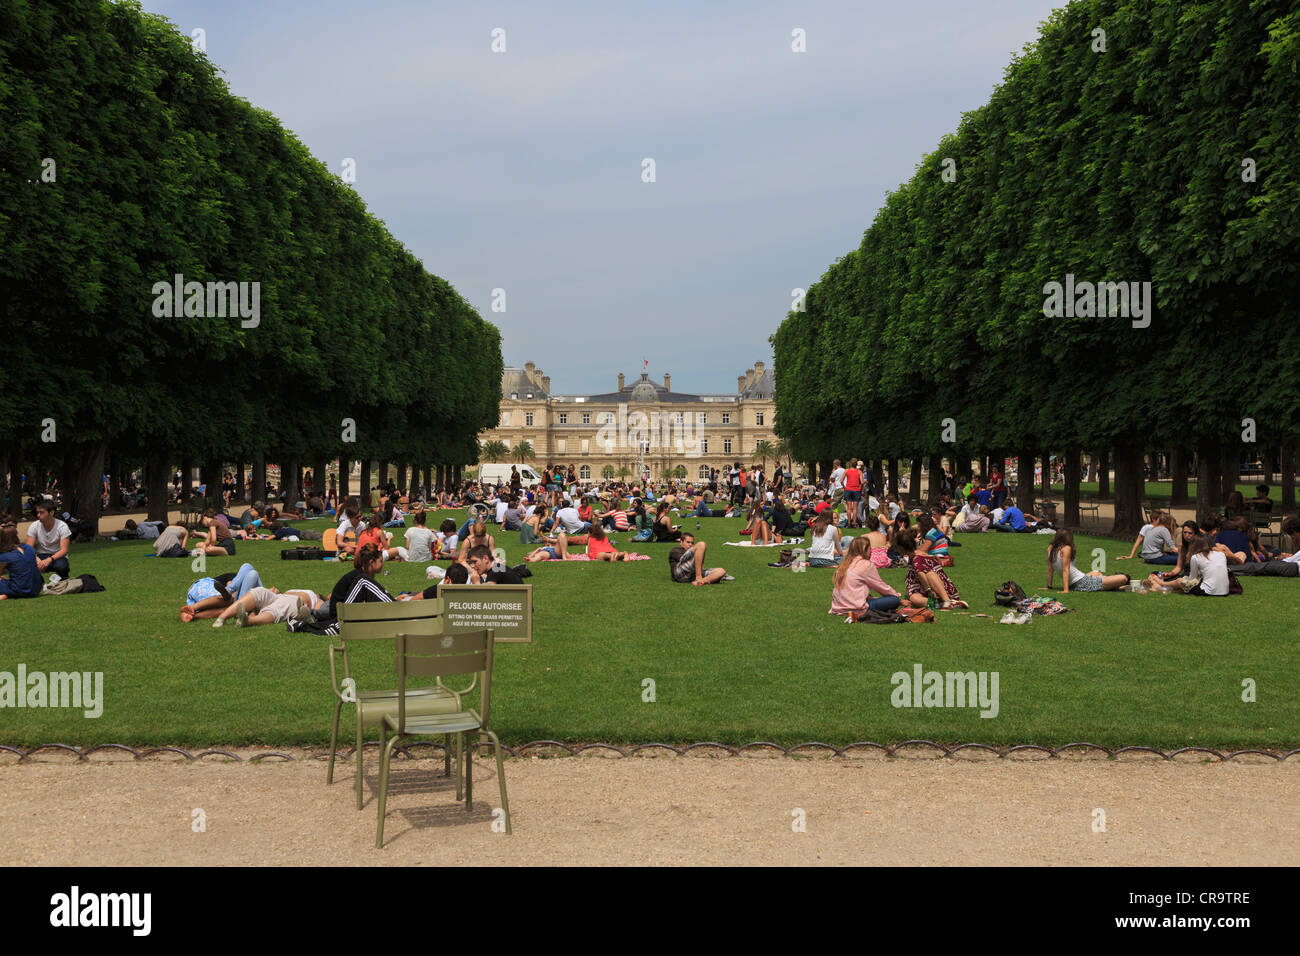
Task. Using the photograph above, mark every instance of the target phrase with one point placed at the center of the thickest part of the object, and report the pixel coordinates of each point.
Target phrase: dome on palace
(644, 392)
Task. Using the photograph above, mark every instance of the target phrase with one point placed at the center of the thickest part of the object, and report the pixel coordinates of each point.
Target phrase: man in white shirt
(50, 537)
(837, 484)
(567, 517)
(502, 506)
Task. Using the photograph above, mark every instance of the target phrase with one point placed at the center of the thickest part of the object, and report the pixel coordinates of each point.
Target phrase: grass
(754, 659)
(1164, 489)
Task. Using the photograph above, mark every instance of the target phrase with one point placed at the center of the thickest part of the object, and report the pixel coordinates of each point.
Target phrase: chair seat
(376, 705)
(435, 723)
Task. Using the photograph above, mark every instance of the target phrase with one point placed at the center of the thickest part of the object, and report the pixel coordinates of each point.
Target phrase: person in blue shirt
(19, 560)
(1013, 519)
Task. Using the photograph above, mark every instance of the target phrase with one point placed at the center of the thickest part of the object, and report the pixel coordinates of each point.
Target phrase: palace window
(515, 396)
(726, 446)
(701, 418)
(564, 418)
(704, 446)
(758, 418)
(528, 418)
(586, 418)
(609, 418)
(726, 418)
(678, 418)
(704, 472)
(585, 472)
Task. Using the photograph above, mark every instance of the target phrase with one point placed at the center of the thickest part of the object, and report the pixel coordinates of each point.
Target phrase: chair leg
(360, 750)
(383, 789)
(334, 741)
(460, 767)
(469, 774)
(446, 755)
(501, 778)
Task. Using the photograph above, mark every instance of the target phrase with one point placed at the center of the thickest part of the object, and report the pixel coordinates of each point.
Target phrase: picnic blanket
(631, 556)
(750, 544)
(1038, 604)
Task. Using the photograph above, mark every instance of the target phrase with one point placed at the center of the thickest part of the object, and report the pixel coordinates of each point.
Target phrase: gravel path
(659, 811)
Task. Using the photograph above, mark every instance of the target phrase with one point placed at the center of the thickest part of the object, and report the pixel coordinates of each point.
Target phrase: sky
(524, 170)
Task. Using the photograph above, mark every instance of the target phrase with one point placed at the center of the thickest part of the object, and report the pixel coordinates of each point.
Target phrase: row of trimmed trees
(1135, 142)
(129, 163)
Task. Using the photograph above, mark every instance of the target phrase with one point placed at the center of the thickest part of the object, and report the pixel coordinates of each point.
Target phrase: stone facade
(643, 424)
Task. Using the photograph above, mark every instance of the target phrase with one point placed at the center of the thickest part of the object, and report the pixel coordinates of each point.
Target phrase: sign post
(505, 608)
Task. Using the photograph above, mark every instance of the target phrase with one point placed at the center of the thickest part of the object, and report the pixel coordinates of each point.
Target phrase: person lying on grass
(1207, 574)
(269, 606)
(208, 597)
(1060, 558)
(170, 542)
(553, 548)
(456, 574)
(686, 563)
(1287, 565)
(856, 578)
(925, 578)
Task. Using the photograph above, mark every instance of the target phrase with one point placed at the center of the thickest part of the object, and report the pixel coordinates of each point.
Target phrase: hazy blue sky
(522, 170)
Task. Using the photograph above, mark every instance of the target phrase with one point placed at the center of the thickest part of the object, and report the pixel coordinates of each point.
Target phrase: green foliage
(160, 171)
(1117, 166)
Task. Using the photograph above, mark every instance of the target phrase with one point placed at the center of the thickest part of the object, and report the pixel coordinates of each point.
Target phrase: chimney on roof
(668, 382)
(546, 382)
(740, 383)
(758, 369)
(528, 367)
(749, 377)
(620, 381)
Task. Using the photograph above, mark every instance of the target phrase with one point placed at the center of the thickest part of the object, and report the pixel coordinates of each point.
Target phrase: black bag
(306, 553)
(89, 584)
(871, 616)
(1008, 594)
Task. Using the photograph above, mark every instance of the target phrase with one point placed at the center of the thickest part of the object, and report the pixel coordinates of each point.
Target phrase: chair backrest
(445, 655)
(375, 620)
(1259, 519)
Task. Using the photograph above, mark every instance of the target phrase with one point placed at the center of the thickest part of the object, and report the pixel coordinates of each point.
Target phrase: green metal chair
(441, 656)
(384, 621)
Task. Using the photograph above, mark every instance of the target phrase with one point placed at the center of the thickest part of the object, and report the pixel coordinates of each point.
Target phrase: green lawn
(754, 659)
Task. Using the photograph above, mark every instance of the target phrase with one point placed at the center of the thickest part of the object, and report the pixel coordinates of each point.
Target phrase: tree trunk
(914, 483)
(89, 499)
(1229, 465)
(1047, 476)
(259, 477)
(383, 474)
(187, 478)
(15, 482)
(935, 486)
(1092, 467)
(1072, 456)
(456, 475)
(1129, 491)
(241, 481)
(1208, 489)
(155, 483)
(1103, 474)
(893, 476)
(1287, 466)
(364, 490)
(320, 477)
(1025, 481)
(345, 478)
(1178, 475)
(289, 481)
(211, 475)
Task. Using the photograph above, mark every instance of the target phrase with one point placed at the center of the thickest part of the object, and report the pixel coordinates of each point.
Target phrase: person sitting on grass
(600, 548)
(664, 528)
(208, 597)
(18, 562)
(478, 537)
(1060, 559)
(1207, 574)
(825, 550)
(759, 530)
(856, 578)
(358, 586)
(1013, 519)
(686, 563)
(482, 572)
(926, 580)
(419, 541)
(932, 540)
(447, 539)
(268, 606)
(783, 525)
(219, 541)
(1157, 539)
(381, 540)
(170, 542)
(1286, 565)
(49, 537)
(351, 524)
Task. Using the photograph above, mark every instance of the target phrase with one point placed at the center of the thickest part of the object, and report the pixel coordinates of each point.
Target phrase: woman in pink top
(856, 578)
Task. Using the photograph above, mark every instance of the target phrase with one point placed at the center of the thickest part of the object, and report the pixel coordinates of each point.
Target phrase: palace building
(641, 426)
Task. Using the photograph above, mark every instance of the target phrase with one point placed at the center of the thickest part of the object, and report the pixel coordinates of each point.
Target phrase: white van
(496, 473)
